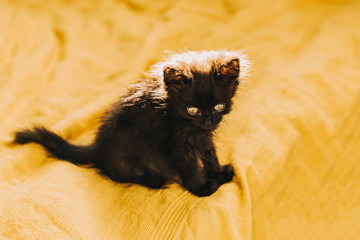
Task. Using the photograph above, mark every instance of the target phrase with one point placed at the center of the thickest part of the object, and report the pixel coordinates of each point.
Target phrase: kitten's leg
(122, 172)
(213, 169)
(192, 176)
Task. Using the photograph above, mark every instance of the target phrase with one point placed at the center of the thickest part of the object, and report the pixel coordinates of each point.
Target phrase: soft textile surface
(293, 136)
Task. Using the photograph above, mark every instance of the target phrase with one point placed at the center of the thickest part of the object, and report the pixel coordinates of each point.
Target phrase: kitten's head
(201, 85)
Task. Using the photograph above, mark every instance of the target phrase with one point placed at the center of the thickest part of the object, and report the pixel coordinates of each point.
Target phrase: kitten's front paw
(226, 174)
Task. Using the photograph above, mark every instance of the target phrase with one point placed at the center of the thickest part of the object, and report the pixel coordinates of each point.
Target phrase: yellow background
(293, 136)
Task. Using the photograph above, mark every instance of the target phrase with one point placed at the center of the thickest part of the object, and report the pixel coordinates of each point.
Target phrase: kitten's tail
(57, 146)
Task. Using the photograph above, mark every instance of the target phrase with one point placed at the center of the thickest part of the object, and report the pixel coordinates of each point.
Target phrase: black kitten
(162, 130)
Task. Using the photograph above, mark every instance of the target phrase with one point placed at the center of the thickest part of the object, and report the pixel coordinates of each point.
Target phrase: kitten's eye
(193, 110)
(219, 107)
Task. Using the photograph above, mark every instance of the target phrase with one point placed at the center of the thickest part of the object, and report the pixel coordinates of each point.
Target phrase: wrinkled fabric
(293, 135)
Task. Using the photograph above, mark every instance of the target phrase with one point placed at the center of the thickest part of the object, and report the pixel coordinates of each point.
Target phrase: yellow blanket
(293, 135)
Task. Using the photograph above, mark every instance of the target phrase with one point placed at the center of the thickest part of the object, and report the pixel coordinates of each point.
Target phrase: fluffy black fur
(149, 137)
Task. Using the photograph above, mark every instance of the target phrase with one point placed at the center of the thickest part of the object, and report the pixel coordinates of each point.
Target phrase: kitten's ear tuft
(229, 70)
(173, 76)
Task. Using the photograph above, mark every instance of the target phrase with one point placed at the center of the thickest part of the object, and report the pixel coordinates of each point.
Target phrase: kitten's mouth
(209, 125)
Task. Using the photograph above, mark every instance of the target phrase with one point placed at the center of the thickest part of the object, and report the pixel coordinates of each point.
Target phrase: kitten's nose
(208, 123)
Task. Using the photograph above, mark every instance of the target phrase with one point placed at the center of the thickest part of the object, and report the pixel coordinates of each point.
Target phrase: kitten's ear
(173, 76)
(229, 70)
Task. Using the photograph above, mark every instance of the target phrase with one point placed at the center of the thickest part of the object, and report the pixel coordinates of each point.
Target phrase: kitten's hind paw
(209, 188)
